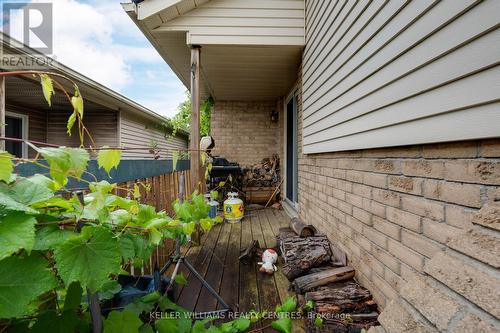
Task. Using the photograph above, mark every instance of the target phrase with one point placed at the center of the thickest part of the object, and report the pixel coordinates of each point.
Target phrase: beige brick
(405, 184)
(490, 148)
(404, 219)
(406, 255)
(396, 318)
(387, 166)
(362, 215)
(408, 273)
(386, 258)
(363, 241)
(423, 207)
(375, 180)
(420, 243)
(424, 168)
(390, 229)
(384, 287)
(459, 216)
(362, 190)
(462, 194)
(354, 176)
(354, 223)
(374, 207)
(373, 263)
(376, 237)
(386, 197)
(477, 285)
(440, 232)
(472, 323)
(394, 280)
(345, 207)
(376, 329)
(473, 171)
(488, 216)
(479, 244)
(354, 199)
(437, 307)
(404, 152)
(451, 150)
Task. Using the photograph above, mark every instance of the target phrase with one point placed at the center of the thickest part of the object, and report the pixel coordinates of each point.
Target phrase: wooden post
(195, 117)
(2, 112)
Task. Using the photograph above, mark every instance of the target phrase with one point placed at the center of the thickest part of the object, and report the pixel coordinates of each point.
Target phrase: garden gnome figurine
(269, 258)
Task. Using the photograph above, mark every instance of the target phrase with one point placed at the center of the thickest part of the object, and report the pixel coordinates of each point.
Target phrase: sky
(99, 40)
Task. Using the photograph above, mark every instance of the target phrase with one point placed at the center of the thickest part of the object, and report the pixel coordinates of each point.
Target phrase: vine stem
(260, 329)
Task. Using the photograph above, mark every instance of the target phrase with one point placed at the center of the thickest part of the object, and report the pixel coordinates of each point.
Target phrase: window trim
(25, 129)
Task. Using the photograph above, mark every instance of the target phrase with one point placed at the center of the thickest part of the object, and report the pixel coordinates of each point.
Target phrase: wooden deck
(243, 287)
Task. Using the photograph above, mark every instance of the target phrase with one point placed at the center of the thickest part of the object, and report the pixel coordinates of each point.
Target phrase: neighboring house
(389, 133)
(112, 119)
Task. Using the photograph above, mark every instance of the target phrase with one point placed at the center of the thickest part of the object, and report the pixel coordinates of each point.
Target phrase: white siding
(136, 132)
(242, 22)
(387, 73)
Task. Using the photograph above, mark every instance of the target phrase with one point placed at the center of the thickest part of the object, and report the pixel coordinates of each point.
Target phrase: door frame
(24, 129)
(293, 94)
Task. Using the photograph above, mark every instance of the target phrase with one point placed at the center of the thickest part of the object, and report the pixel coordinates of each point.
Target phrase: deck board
(243, 287)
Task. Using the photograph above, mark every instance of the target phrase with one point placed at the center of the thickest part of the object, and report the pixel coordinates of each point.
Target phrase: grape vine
(56, 247)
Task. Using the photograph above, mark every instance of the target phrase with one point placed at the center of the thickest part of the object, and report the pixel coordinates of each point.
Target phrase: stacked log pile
(318, 272)
(263, 174)
(260, 181)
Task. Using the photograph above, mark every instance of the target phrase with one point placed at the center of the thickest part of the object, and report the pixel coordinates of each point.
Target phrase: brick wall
(427, 214)
(244, 132)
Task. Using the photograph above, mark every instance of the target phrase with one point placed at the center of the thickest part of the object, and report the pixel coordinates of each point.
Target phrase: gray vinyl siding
(388, 73)
(242, 22)
(102, 125)
(138, 133)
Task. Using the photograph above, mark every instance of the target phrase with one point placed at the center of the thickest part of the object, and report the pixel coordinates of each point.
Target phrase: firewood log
(307, 282)
(302, 229)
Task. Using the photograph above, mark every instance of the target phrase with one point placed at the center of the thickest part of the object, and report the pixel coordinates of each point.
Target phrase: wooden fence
(158, 191)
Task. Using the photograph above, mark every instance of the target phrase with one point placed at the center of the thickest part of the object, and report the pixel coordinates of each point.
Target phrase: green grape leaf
(174, 325)
(127, 247)
(155, 236)
(77, 102)
(241, 324)
(283, 325)
(175, 158)
(52, 322)
(21, 281)
(50, 236)
(29, 192)
(308, 306)
(47, 88)
(71, 123)
(102, 187)
(64, 162)
(188, 228)
(89, 258)
(166, 304)
(6, 166)
(17, 231)
(137, 192)
(206, 224)
(199, 325)
(109, 289)
(122, 322)
(109, 159)
(318, 321)
(151, 297)
(289, 305)
(42, 180)
(157, 222)
(180, 279)
(138, 307)
(73, 296)
(7, 203)
(146, 328)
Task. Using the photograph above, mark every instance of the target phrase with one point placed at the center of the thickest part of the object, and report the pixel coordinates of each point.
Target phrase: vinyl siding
(138, 133)
(376, 73)
(242, 22)
(102, 125)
